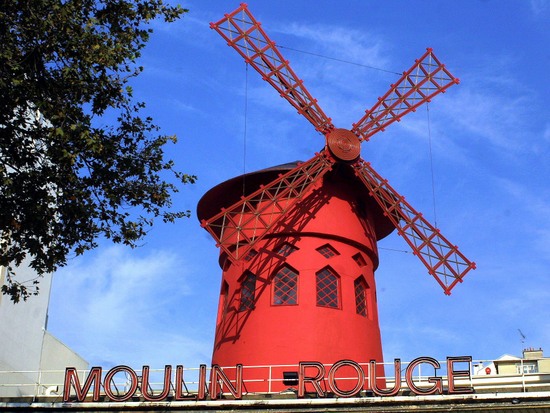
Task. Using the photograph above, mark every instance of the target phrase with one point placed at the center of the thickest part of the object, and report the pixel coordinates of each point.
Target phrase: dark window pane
(248, 289)
(250, 254)
(327, 289)
(285, 287)
(358, 258)
(327, 251)
(286, 249)
(360, 297)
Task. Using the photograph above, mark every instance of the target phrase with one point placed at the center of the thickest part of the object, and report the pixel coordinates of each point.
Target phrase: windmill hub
(343, 144)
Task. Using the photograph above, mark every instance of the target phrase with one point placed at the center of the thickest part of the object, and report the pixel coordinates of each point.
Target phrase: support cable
(431, 163)
(395, 250)
(339, 60)
(245, 127)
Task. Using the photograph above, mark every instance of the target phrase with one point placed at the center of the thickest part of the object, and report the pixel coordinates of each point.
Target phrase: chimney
(532, 353)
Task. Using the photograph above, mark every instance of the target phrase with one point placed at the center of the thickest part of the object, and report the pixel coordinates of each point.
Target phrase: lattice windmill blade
(244, 33)
(442, 259)
(427, 78)
(238, 228)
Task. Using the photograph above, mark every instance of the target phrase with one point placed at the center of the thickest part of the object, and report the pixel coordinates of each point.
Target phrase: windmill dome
(229, 192)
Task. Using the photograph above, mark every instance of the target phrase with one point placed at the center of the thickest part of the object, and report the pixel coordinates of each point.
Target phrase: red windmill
(298, 241)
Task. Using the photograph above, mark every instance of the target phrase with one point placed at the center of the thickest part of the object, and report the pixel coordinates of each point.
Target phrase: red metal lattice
(239, 227)
(244, 33)
(442, 259)
(425, 79)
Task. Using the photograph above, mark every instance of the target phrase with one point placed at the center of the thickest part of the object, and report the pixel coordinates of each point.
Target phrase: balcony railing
(265, 380)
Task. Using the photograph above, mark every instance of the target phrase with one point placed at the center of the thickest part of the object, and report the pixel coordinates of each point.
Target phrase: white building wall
(25, 345)
(56, 356)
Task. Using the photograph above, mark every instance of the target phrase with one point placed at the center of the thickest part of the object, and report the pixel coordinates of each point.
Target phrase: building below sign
(513, 384)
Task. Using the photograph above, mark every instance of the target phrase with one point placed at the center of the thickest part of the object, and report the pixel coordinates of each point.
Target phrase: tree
(77, 160)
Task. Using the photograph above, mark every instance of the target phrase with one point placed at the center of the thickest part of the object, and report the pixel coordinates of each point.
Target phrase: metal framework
(243, 224)
(442, 259)
(244, 33)
(237, 228)
(424, 80)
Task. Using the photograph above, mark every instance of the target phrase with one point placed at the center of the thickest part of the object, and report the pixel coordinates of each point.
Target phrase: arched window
(361, 296)
(248, 291)
(285, 287)
(327, 288)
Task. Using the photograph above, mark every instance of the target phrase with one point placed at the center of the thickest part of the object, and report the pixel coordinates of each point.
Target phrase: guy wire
(245, 126)
(339, 60)
(431, 162)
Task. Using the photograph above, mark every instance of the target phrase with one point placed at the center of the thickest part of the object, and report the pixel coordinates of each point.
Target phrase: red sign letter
(71, 379)
(202, 383)
(218, 373)
(436, 388)
(109, 378)
(358, 385)
(452, 373)
(373, 381)
(180, 384)
(302, 378)
(145, 384)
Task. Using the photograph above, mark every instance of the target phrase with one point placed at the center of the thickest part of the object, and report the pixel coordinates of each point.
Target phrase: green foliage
(77, 161)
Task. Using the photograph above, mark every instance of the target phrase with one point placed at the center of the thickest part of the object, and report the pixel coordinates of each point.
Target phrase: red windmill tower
(298, 242)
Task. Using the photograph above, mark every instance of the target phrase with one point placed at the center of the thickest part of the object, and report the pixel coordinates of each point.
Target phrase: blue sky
(490, 145)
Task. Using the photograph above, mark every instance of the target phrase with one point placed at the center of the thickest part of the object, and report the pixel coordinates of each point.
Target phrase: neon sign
(312, 376)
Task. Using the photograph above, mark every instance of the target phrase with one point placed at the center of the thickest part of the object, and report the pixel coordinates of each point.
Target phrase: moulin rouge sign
(311, 377)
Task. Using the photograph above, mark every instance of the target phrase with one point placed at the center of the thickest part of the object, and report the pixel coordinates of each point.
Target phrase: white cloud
(121, 307)
(337, 66)
(534, 208)
(540, 7)
(340, 42)
(536, 203)
(490, 116)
